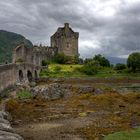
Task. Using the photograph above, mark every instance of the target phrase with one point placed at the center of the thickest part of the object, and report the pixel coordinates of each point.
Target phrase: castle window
(68, 45)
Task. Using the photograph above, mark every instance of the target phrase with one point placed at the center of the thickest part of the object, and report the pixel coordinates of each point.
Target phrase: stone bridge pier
(12, 74)
(27, 73)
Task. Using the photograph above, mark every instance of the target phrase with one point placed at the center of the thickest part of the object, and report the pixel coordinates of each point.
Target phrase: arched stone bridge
(10, 74)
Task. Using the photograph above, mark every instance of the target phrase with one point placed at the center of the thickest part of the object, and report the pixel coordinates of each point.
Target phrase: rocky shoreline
(6, 130)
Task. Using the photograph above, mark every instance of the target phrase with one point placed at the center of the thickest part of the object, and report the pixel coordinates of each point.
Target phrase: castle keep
(65, 40)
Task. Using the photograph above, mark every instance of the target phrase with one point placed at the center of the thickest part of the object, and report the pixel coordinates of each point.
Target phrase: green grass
(24, 95)
(71, 71)
(64, 68)
(65, 71)
(127, 135)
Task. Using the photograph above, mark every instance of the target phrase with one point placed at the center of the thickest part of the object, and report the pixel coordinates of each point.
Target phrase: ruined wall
(43, 53)
(22, 53)
(19, 53)
(33, 55)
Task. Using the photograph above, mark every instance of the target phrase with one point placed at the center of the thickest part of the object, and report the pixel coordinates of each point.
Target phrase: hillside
(9, 40)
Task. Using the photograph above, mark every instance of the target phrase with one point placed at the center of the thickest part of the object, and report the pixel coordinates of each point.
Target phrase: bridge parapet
(6, 67)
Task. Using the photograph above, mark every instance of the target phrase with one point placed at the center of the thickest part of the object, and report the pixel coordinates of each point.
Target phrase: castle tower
(65, 40)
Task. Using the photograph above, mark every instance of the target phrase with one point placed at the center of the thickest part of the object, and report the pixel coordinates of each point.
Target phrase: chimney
(66, 25)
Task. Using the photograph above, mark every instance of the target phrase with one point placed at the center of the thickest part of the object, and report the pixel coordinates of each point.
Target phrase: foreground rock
(9, 136)
(6, 131)
(5, 126)
(52, 91)
(56, 90)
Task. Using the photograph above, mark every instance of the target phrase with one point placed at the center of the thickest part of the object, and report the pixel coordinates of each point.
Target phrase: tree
(133, 61)
(61, 58)
(81, 61)
(76, 59)
(45, 62)
(87, 60)
(90, 68)
(120, 66)
(102, 60)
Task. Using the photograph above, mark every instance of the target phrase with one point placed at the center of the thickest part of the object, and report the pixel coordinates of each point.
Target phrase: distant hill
(115, 60)
(9, 40)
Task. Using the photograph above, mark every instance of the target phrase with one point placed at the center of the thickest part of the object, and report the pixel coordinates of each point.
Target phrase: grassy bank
(126, 135)
(57, 70)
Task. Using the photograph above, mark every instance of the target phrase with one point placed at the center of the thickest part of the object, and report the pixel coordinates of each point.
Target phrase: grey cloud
(39, 19)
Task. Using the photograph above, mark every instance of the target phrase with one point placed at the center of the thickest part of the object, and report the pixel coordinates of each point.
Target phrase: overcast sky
(108, 27)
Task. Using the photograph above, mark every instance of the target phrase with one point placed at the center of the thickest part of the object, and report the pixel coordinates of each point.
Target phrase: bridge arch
(21, 77)
(36, 75)
(29, 76)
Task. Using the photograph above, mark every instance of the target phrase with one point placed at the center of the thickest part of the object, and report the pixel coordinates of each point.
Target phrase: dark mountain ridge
(9, 40)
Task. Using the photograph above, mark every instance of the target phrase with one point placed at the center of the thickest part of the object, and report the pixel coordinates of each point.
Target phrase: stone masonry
(27, 61)
(66, 40)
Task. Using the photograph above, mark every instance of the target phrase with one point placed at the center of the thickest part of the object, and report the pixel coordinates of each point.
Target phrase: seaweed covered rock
(51, 91)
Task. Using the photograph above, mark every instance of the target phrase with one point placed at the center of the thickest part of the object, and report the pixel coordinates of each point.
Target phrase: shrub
(57, 69)
(102, 60)
(19, 60)
(87, 60)
(44, 72)
(133, 61)
(24, 95)
(90, 68)
(76, 60)
(11, 105)
(45, 62)
(60, 58)
(120, 66)
(81, 61)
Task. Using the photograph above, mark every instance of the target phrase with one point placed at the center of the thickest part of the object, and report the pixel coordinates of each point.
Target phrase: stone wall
(17, 73)
(66, 40)
(43, 53)
(33, 55)
(7, 76)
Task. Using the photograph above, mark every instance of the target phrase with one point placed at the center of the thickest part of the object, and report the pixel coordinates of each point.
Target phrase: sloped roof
(62, 32)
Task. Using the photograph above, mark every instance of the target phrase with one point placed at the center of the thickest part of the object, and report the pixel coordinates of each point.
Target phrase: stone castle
(64, 40)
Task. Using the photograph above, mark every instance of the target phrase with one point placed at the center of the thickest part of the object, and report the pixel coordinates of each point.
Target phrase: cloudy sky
(108, 27)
